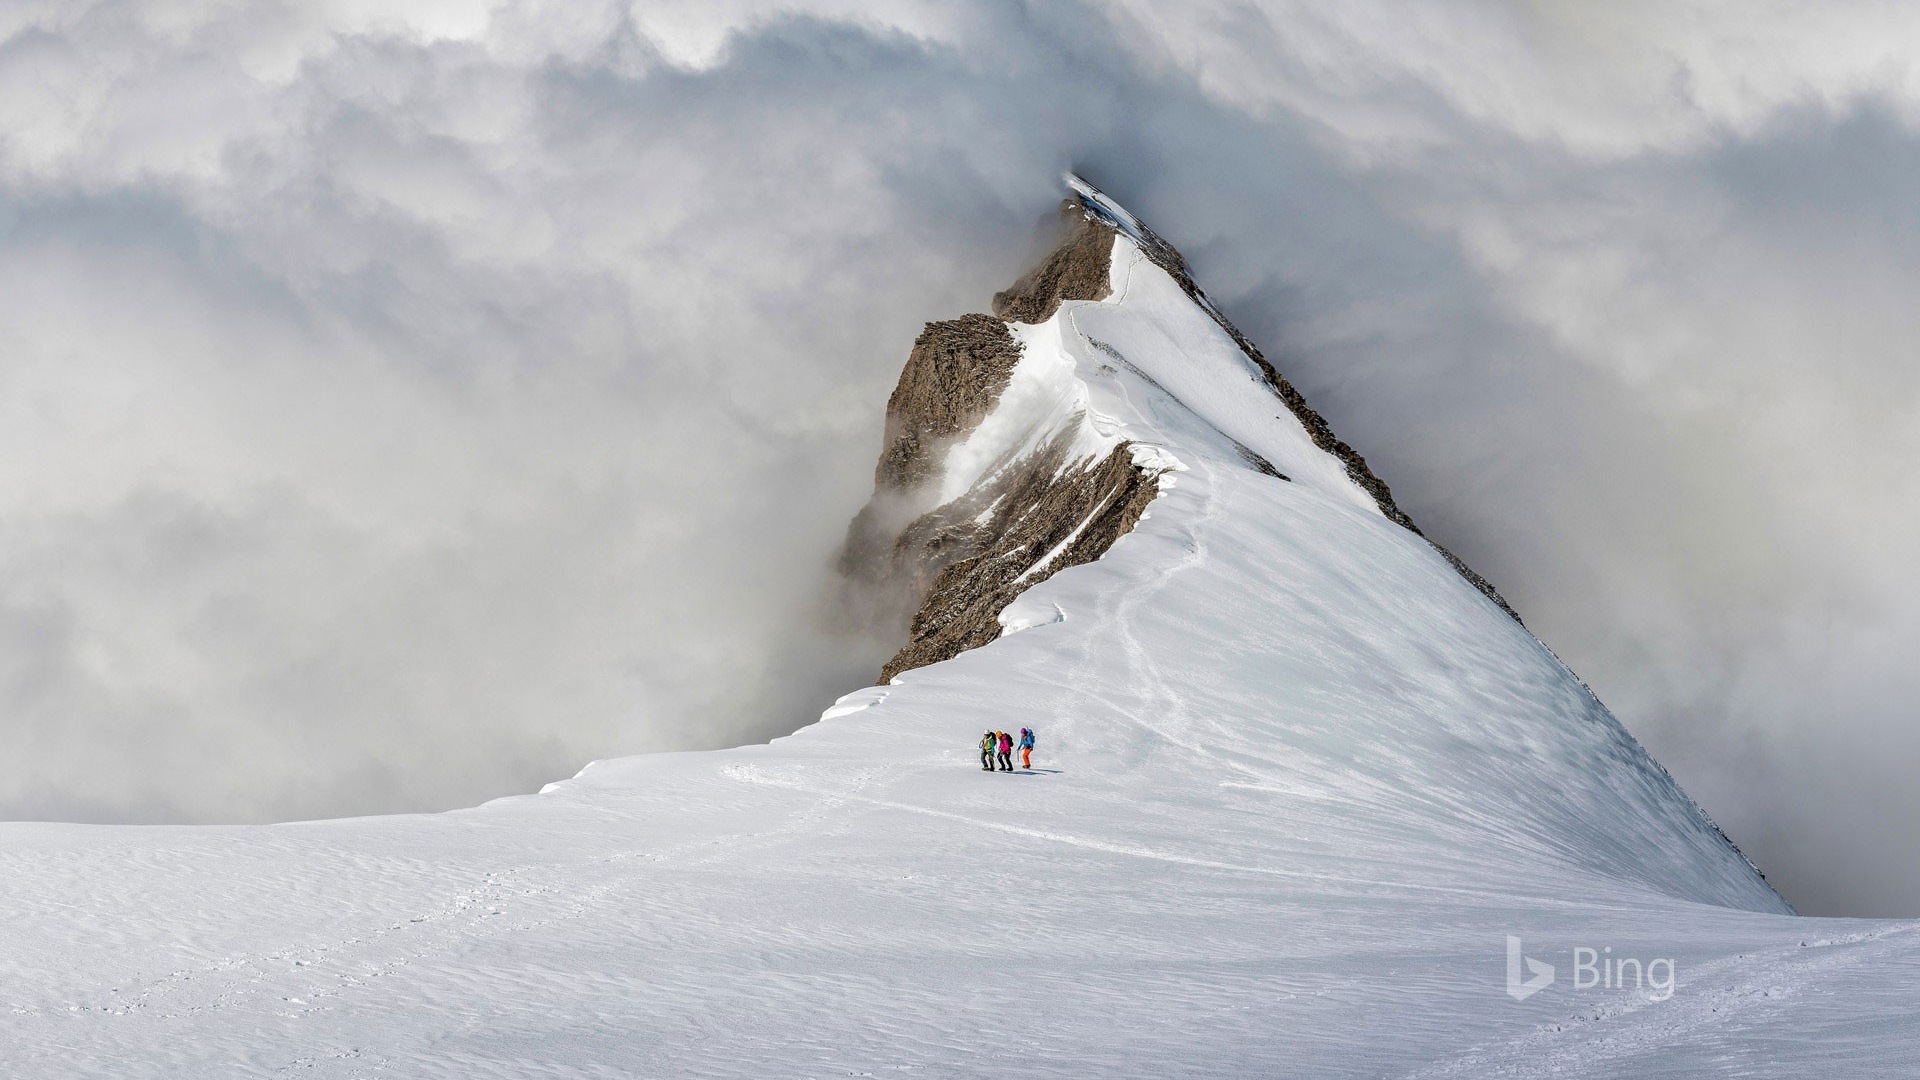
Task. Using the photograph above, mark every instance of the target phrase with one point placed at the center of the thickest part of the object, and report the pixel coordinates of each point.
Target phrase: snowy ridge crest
(1128, 395)
(1099, 205)
(1000, 468)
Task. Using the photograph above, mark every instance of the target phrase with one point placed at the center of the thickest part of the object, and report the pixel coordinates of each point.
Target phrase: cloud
(402, 409)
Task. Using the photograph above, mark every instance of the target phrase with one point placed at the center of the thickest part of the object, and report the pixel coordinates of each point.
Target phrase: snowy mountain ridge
(1143, 365)
(1305, 795)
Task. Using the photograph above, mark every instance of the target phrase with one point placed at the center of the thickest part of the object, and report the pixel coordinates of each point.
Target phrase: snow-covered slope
(1298, 781)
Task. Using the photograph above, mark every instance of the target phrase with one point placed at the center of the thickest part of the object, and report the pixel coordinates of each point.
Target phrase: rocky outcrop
(941, 572)
(1076, 269)
(1039, 520)
(953, 377)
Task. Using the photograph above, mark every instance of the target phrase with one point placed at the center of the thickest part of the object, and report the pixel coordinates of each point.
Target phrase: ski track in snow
(1117, 606)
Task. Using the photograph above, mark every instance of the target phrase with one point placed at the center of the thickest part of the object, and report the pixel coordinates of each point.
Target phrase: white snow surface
(1296, 784)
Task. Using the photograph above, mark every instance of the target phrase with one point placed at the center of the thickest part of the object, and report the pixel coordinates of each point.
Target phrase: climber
(1006, 752)
(1026, 748)
(988, 743)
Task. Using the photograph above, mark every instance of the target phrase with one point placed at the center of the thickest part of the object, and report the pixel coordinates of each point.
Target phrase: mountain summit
(997, 471)
(1307, 801)
(1107, 388)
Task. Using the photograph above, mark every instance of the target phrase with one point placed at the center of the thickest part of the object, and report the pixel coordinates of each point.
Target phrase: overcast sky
(398, 410)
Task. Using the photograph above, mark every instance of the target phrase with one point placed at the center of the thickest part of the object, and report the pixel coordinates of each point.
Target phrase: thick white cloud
(402, 405)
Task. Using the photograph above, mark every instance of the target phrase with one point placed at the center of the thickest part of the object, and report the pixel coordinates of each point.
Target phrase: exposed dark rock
(1077, 269)
(1259, 463)
(953, 377)
(955, 567)
(1044, 519)
(942, 574)
(951, 380)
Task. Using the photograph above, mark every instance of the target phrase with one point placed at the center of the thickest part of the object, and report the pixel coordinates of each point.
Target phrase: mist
(399, 411)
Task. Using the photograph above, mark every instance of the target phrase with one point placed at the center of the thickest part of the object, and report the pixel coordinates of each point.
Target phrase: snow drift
(1301, 781)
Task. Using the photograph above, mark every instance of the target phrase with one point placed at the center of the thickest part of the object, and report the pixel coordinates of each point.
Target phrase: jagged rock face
(952, 379)
(956, 565)
(942, 571)
(1040, 520)
(1075, 270)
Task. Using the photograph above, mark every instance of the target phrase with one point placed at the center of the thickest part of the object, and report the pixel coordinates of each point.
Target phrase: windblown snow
(1298, 783)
